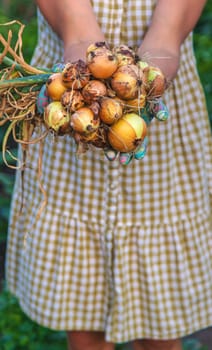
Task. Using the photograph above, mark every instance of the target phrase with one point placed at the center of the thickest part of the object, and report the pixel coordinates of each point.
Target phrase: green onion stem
(24, 81)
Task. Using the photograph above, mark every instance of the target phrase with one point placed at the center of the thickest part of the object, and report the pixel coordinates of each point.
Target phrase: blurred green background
(16, 330)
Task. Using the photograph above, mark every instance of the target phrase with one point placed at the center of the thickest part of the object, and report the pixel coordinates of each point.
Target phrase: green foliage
(193, 344)
(19, 332)
(29, 35)
(203, 52)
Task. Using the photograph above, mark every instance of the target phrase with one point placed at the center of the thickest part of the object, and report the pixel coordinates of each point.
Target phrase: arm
(74, 22)
(172, 21)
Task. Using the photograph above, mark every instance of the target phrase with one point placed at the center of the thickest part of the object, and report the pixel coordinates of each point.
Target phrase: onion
(125, 55)
(101, 61)
(56, 118)
(126, 81)
(110, 110)
(72, 100)
(84, 121)
(127, 133)
(55, 87)
(76, 75)
(154, 82)
(93, 90)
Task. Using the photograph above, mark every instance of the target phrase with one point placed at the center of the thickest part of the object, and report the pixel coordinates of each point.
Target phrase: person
(120, 253)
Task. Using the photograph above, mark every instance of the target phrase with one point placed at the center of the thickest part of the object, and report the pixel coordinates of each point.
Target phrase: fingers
(126, 158)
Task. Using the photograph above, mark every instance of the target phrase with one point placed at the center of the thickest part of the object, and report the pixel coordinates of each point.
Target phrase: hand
(126, 158)
(164, 59)
(75, 51)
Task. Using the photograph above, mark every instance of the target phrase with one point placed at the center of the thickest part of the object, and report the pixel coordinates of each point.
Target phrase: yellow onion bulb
(93, 90)
(55, 86)
(76, 75)
(56, 118)
(127, 133)
(84, 121)
(101, 60)
(126, 81)
(72, 100)
(110, 110)
(154, 82)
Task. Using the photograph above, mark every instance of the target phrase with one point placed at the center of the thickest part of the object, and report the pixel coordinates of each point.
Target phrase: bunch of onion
(99, 101)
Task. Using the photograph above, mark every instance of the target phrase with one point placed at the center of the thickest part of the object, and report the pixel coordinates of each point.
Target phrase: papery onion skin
(101, 140)
(95, 107)
(126, 81)
(79, 137)
(55, 87)
(93, 90)
(125, 55)
(72, 100)
(84, 121)
(127, 133)
(97, 138)
(56, 118)
(101, 61)
(76, 75)
(110, 110)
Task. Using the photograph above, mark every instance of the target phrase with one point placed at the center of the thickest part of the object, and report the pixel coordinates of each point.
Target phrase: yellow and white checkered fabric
(127, 250)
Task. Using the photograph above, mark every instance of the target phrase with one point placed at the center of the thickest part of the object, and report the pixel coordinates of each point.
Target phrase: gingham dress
(122, 249)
